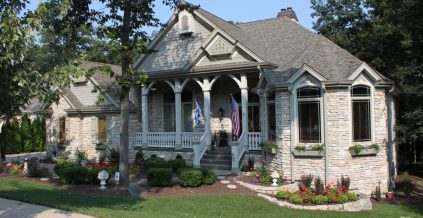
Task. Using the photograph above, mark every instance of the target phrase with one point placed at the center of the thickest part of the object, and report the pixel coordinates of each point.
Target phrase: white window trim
(372, 114)
(190, 22)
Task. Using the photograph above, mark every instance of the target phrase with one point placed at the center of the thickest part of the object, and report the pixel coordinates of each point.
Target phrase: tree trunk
(124, 105)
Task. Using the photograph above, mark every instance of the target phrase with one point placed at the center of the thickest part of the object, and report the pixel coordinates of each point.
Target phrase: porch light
(275, 176)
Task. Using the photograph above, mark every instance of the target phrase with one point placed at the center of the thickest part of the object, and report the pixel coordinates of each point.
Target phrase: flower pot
(390, 195)
(364, 152)
(308, 153)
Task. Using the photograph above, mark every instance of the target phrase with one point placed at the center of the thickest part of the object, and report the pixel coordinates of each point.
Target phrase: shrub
(320, 199)
(296, 199)
(342, 199)
(407, 184)
(80, 156)
(283, 195)
(318, 185)
(179, 156)
(251, 161)
(352, 196)
(306, 181)
(34, 170)
(153, 156)
(208, 176)
(74, 175)
(155, 162)
(177, 164)
(374, 147)
(113, 154)
(357, 148)
(159, 177)
(265, 179)
(190, 178)
(139, 157)
(270, 145)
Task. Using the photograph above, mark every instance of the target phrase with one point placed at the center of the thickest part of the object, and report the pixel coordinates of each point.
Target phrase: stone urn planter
(308, 153)
(364, 152)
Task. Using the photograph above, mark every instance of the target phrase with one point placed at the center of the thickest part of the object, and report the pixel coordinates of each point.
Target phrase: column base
(144, 145)
(236, 171)
(178, 147)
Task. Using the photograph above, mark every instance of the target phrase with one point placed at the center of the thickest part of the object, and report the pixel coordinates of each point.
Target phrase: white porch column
(207, 123)
(244, 103)
(263, 112)
(144, 111)
(178, 120)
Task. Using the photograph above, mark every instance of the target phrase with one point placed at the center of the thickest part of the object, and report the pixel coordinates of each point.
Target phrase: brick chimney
(288, 12)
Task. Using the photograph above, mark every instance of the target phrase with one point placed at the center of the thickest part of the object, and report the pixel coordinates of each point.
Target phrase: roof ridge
(257, 21)
(219, 18)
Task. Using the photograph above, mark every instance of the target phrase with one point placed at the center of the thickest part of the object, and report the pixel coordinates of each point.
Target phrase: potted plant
(317, 150)
(361, 150)
(271, 147)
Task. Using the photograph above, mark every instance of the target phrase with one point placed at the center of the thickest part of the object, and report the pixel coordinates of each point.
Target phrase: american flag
(197, 116)
(235, 117)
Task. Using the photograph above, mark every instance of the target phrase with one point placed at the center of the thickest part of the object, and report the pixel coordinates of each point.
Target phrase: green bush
(406, 184)
(320, 199)
(155, 162)
(159, 177)
(177, 164)
(265, 179)
(179, 156)
(342, 199)
(352, 196)
(190, 177)
(208, 176)
(296, 199)
(139, 157)
(74, 175)
(283, 195)
(34, 170)
(113, 154)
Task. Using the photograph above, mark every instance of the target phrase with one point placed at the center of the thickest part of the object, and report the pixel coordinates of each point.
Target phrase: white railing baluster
(254, 140)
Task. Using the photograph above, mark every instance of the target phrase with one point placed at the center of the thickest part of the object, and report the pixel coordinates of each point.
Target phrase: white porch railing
(138, 139)
(200, 147)
(254, 140)
(237, 150)
(161, 139)
(189, 137)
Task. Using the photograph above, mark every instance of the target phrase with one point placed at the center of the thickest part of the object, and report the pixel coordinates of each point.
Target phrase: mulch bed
(148, 192)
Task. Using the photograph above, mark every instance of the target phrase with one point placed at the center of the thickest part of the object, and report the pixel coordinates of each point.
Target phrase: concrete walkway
(16, 209)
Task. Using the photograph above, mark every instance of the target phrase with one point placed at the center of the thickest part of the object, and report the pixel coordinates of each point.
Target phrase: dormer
(186, 23)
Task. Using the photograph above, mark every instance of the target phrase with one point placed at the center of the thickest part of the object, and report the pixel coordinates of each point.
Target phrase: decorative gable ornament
(185, 24)
(219, 47)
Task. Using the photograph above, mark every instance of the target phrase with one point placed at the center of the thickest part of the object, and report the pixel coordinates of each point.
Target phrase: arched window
(309, 114)
(361, 116)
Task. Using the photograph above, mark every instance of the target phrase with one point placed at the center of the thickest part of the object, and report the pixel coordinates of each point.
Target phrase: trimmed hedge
(177, 164)
(190, 177)
(79, 175)
(159, 177)
(155, 162)
(208, 176)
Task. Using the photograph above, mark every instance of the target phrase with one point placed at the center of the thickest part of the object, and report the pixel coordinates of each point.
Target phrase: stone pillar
(144, 112)
(263, 116)
(178, 120)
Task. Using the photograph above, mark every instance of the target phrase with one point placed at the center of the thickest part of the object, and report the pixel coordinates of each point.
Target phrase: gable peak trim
(303, 69)
(373, 74)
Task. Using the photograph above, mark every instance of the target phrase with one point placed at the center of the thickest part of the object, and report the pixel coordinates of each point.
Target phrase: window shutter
(94, 130)
(67, 128)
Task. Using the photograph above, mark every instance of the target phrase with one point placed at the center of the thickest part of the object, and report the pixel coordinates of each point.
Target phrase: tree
(388, 35)
(26, 134)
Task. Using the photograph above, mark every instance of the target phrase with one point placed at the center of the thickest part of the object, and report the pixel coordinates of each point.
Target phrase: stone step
(216, 166)
(224, 150)
(213, 161)
(217, 156)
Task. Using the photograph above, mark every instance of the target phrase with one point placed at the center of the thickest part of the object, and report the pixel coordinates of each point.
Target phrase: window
(102, 130)
(186, 111)
(360, 96)
(62, 129)
(309, 115)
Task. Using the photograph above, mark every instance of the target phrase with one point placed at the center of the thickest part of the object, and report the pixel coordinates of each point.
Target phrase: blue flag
(197, 116)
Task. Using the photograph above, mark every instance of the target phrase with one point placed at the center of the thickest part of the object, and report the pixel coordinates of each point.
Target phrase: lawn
(227, 205)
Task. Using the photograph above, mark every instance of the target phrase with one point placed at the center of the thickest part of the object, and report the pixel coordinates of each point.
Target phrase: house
(293, 86)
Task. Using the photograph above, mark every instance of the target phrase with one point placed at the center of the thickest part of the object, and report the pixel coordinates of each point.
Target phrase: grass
(420, 183)
(228, 205)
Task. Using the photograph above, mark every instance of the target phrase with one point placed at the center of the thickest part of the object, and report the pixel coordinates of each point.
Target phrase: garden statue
(103, 176)
(275, 176)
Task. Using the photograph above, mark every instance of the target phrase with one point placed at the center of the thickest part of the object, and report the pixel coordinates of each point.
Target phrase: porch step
(220, 159)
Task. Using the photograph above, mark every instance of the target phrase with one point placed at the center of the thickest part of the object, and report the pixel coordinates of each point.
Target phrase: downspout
(325, 121)
(391, 121)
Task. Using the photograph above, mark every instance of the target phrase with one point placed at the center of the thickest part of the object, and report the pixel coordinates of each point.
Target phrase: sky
(235, 10)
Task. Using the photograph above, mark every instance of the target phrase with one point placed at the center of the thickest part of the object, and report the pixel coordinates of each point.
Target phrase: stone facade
(365, 171)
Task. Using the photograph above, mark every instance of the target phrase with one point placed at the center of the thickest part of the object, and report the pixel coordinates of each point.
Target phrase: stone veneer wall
(365, 172)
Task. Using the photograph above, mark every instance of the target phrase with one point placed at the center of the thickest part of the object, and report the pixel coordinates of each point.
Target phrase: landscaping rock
(231, 186)
(44, 179)
(225, 181)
